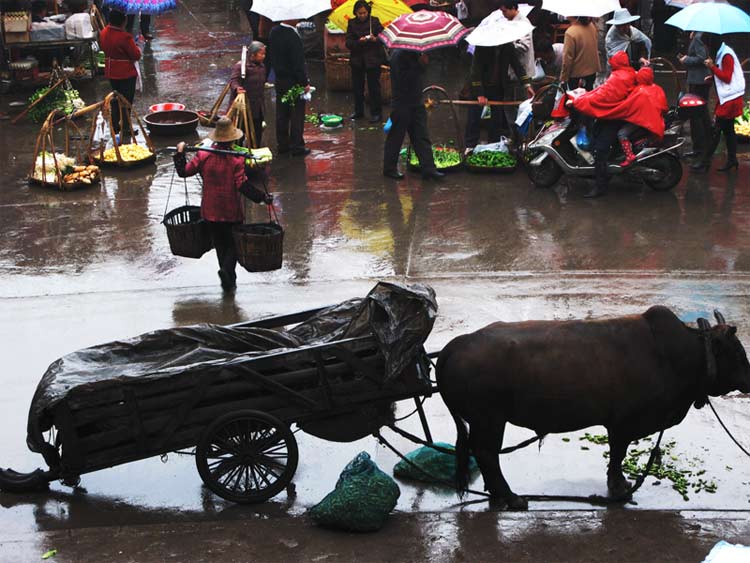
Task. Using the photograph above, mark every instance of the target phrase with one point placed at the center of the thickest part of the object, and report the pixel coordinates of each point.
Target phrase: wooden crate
(13, 23)
(17, 37)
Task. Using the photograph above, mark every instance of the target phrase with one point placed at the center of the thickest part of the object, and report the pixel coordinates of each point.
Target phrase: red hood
(619, 60)
(645, 76)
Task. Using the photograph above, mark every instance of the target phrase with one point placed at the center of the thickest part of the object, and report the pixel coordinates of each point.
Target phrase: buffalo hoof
(619, 489)
(513, 502)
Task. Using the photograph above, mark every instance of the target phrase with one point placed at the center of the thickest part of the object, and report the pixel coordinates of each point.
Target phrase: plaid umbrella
(590, 8)
(422, 31)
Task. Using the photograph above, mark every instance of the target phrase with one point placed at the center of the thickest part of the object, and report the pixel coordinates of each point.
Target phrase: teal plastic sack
(362, 499)
(436, 467)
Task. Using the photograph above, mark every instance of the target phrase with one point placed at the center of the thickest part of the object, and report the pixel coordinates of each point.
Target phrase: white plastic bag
(500, 146)
(462, 12)
(539, 73)
(725, 552)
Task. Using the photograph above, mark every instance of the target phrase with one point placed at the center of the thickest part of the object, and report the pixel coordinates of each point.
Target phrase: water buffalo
(635, 375)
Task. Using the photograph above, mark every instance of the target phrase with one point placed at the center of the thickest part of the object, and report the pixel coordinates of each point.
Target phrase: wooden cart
(237, 416)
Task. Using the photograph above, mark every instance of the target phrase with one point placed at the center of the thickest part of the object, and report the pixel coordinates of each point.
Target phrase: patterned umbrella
(590, 8)
(422, 31)
(142, 6)
(385, 10)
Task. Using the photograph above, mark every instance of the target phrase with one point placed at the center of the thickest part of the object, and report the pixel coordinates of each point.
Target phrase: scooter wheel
(663, 172)
(545, 174)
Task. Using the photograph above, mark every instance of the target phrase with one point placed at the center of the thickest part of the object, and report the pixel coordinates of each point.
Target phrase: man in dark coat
(408, 115)
(288, 61)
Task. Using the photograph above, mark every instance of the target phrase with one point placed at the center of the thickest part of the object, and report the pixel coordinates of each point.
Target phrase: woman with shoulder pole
(365, 60)
(730, 87)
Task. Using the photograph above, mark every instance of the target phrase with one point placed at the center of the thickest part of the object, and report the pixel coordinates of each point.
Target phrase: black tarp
(399, 316)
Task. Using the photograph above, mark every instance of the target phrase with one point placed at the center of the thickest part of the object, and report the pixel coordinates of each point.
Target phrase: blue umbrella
(711, 17)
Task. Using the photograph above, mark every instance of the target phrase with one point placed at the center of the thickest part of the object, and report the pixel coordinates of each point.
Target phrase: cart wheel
(247, 456)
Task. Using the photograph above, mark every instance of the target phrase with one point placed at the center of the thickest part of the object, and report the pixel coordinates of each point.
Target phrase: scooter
(554, 152)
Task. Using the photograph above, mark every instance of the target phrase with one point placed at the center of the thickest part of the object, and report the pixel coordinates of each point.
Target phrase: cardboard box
(17, 37)
(16, 23)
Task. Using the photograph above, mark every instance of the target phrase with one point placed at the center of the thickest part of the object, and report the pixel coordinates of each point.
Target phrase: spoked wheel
(247, 456)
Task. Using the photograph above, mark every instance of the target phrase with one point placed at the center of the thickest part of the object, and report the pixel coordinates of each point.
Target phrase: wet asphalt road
(82, 268)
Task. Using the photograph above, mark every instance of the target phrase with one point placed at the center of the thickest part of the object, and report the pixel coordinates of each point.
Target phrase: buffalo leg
(485, 444)
(617, 485)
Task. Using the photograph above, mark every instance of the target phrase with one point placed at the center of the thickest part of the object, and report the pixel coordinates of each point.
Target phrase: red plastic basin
(166, 107)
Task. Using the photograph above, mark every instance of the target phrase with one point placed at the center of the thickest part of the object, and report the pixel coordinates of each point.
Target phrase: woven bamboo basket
(259, 246)
(187, 232)
(339, 78)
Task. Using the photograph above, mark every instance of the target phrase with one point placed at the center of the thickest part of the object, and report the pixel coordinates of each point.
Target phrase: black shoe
(433, 175)
(395, 174)
(699, 167)
(376, 119)
(728, 166)
(594, 192)
(300, 152)
(228, 281)
(356, 115)
(282, 150)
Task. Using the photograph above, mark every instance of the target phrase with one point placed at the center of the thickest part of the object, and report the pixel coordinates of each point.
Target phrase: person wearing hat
(624, 37)
(223, 176)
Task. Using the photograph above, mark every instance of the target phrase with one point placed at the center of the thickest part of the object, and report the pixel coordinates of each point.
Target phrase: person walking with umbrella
(365, 59)
(730, 88)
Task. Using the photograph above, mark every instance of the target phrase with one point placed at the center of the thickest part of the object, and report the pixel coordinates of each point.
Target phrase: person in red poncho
(599, 103)
(644, 108)
(730, 88)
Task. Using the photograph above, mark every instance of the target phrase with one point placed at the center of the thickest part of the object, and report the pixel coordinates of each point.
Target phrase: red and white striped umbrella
(422, 31)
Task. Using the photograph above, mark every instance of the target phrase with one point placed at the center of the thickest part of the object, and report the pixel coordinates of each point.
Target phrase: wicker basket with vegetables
(490, 161)
(447, 158)
(119, 155)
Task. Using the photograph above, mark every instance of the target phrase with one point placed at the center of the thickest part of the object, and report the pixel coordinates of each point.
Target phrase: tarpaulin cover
(399, 316)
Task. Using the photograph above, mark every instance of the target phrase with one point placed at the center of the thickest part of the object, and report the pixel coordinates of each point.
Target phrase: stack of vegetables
(67, 100)
(445, 157)
(259, 156)
(129, 153)
(44, 166)
(742, 124)
(491, 160)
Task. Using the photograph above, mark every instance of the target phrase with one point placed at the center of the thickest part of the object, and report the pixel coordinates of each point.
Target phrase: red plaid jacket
(222, 177)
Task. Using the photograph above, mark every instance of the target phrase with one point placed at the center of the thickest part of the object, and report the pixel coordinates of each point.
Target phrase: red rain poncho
(602, 100)
(645, 106)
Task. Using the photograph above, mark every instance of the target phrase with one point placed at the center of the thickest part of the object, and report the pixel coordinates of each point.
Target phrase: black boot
(600, 179)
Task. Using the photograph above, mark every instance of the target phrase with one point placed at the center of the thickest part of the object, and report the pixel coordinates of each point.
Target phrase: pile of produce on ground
(44, 166)
(82, 174)
(445, 157)
(67, 100)
(742, 123)
(129, 153)
(491, 159)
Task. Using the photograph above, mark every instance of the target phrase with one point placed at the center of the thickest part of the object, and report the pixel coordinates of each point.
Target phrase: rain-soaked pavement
(88, 267)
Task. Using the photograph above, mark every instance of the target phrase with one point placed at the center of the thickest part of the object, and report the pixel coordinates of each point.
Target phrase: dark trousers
(145, 23)
(605, 133)
(700, 123)
(359, 74)
(725, 126)
(221, 235)
(474, 122)
(411, 120)
(126, 87)
(290, 121)
(586, 81)
(252, 18)
(258, 130)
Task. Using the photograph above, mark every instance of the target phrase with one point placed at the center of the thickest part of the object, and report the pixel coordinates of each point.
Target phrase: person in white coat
(524, 48)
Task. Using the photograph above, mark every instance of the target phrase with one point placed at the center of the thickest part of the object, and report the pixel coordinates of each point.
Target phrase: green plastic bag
(362, 499)
(439, 468)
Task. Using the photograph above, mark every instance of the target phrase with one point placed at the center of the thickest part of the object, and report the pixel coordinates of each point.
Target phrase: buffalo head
(732, 367)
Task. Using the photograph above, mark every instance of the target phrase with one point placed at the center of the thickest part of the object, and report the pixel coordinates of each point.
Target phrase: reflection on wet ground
(86, 267)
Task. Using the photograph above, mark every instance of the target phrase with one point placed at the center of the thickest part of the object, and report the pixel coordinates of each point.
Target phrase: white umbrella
(589, 8)
(495, 29)
(280, 10)
(686, 3)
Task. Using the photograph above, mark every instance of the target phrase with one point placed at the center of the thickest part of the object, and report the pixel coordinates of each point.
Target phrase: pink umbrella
(422, 31)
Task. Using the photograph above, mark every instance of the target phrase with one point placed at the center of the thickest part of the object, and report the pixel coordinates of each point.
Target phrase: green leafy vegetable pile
(67, 100)
(445, 157)
(491, 159)
(312, 118)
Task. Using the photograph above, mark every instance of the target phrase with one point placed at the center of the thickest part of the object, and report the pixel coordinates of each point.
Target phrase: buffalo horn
(703, 324)
(719, 317)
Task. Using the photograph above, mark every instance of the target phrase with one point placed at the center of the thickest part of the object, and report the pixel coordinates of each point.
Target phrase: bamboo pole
(35, 102)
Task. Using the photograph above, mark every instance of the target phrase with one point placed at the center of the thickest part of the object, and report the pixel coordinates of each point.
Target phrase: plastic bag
(387, 126)
(462, 12)
(725, 552)
(486, 112)
(539, 72)
(362, 499)
(500, 146)
(524, 113)
(437, 467)
(582, 139)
